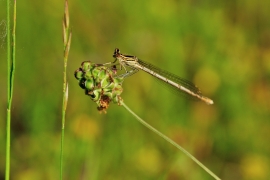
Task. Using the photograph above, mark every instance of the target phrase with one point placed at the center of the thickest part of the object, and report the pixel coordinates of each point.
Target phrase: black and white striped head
(116, 53)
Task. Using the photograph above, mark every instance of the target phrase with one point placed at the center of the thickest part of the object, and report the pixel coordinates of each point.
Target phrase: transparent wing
(185, 83)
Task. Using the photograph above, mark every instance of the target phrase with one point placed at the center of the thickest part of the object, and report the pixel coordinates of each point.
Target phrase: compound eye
(116, 51)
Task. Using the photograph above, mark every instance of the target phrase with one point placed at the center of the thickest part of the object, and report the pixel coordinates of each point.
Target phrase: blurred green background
(222, 46)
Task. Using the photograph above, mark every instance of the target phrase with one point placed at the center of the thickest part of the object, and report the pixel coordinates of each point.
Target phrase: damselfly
(176, 82)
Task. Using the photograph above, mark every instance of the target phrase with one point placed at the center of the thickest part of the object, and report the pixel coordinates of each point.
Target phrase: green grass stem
(170, 141)
(67, 41)
(10, 80)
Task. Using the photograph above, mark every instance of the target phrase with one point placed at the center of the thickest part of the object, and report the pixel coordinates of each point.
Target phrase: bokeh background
(222, 46)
